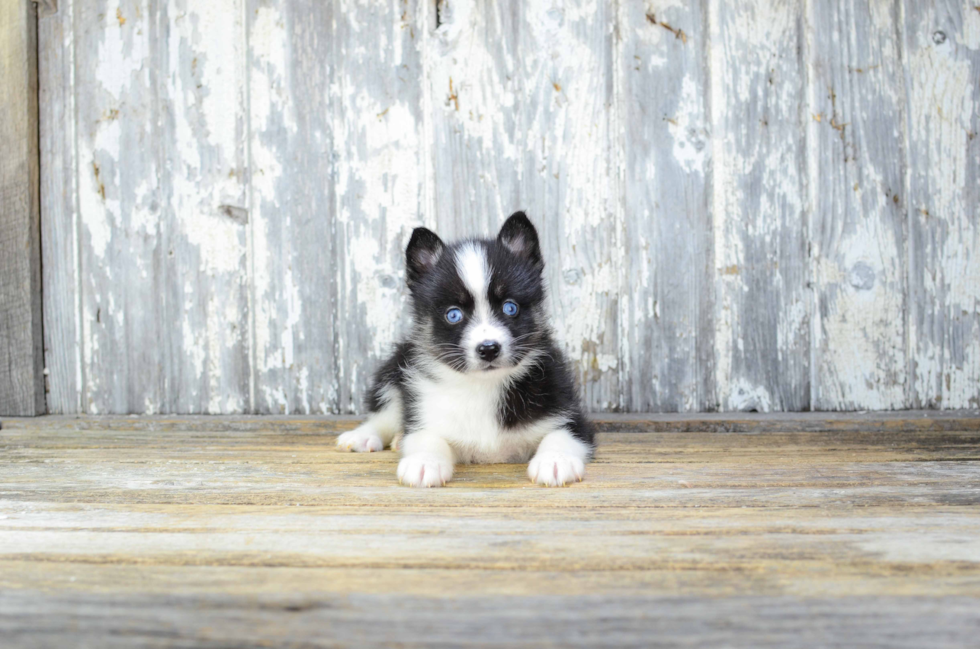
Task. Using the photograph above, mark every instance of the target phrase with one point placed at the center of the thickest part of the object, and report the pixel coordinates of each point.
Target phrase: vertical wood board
(667, 317)
(473, 111)
(59, 223)
(758, 206)
(942, 59)
(856, 158)
(291, 82)
(21, 339)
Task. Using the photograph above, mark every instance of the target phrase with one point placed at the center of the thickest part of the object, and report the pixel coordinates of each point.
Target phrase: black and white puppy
(479, 379)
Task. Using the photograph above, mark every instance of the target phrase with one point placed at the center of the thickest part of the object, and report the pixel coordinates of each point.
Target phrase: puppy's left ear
(422, 254)
(519, 236)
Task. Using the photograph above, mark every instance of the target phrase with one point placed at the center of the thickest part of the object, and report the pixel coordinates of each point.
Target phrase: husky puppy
(479, 379)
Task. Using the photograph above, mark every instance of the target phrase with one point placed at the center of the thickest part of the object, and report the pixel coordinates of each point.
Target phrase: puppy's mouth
(489, 366)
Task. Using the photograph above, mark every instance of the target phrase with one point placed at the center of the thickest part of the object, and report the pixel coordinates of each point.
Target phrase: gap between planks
(891, 421)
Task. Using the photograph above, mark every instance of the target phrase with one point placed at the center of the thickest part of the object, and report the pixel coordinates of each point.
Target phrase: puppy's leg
(379, 430)
(427, 461)
(560, 459)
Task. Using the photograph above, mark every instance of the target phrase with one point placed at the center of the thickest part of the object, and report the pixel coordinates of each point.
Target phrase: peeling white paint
(745, 396)
(690, 146)
(856, 152)
(757, 200)
(170, 131)
(943, 115)
(269, 79)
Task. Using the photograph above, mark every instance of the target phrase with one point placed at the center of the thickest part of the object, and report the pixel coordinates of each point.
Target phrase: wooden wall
(745, 205)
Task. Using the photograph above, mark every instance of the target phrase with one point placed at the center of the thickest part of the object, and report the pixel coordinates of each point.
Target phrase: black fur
(546, 389)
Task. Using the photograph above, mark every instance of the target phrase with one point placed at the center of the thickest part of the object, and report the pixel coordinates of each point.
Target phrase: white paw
(362, 439)
(553, 469)
(424, 470)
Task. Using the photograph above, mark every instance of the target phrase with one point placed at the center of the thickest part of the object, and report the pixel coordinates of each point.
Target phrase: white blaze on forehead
(473, 269)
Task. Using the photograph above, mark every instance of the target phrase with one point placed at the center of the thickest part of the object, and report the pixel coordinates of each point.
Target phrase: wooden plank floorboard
(737, 422)
(239, 532)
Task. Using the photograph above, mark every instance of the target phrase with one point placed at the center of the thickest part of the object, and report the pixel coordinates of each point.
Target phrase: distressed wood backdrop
(766, 205)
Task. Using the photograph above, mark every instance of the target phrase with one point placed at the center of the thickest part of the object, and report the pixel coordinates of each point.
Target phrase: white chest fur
(463, 410)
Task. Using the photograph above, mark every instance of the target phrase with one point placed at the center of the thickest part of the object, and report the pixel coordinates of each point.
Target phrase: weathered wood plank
(200, 63)
(808, 422)
(35, 619)
(21, 338)
(119, 209)
(59, 223)
(856, 156)
(668, 319)
(292, 205)
(638, 472)
(616, 539)
(762, 342)
(305, 586)
(160, 164)
(337, 187)
(473, 132)
(942, 68)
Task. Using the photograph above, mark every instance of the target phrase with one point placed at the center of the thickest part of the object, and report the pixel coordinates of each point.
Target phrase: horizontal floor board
(885, 421)
(39, 619)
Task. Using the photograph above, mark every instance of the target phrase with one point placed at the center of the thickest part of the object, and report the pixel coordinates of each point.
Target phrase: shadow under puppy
(479, 379)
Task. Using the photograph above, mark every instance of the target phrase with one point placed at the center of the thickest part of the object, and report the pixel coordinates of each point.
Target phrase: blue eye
(454, 315)
(511, 308)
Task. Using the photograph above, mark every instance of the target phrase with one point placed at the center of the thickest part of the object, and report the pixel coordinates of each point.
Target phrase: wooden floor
(804, 531)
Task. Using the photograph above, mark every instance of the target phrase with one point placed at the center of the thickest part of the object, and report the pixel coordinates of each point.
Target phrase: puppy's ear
(520, 237)
(423, 252)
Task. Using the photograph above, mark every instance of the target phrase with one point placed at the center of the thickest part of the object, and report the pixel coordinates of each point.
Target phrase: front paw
(424, 470)
(362, 439)
(553, 469)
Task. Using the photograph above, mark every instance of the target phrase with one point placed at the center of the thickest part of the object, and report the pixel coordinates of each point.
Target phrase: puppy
(479, 379)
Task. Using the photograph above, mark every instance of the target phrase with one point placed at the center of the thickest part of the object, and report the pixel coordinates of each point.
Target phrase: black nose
(488, 350)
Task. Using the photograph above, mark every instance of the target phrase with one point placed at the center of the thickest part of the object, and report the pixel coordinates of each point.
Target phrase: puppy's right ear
(423, 252)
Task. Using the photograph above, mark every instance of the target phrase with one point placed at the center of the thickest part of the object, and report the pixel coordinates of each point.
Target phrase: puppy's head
(478, 303)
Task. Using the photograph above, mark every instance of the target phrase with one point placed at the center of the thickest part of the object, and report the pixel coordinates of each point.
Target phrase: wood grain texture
(42, 620)
(231, 534)
(203, 140)
(157, 128)
(743, 206)
(668, 319)
(891, 422)
(942, 66)
(291, 81)
(21, 337)
(761, 308)
(857, 158)
(60, 220)
(337, 188)
(123, 341)
(473, 115)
